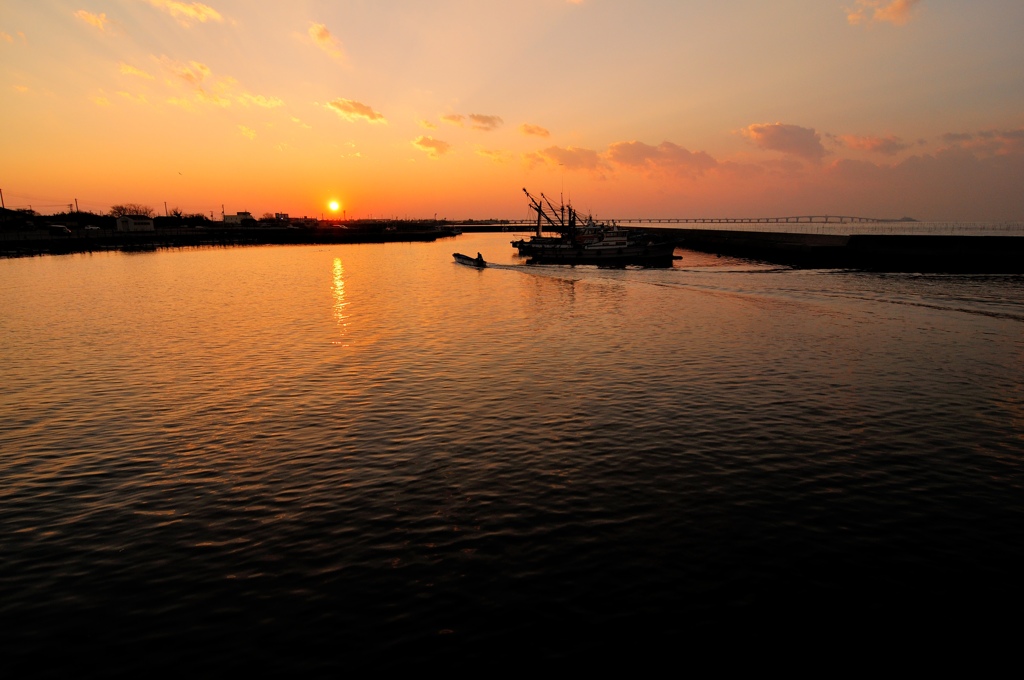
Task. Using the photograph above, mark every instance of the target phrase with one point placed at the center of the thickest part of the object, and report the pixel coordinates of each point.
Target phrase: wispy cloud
(535, 130)
(495, 155)
(188, 13)
(896, 12)
(220, 91)
(889, 146)
(97, 20)
(323, 39)
(666, 156)
(247, 132)
(479, 121)
(789, 139)
(426, 124)
(433, 147)
(353, 111)
(134, 98)
(988, 142)
(8, 38)
(212, 98)
(20, 88)
(259, 100)
(129, 70)
(193, 72)
(99, 100)
(571, 157)
(953, 137)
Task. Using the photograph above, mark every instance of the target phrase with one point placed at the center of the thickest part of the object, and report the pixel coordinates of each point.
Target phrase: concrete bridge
(796, 219)
(793, 219)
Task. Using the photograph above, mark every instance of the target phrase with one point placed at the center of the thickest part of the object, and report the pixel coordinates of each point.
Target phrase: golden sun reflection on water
(338, 288)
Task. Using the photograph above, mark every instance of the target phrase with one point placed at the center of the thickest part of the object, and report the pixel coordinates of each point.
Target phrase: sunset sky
(647, 108)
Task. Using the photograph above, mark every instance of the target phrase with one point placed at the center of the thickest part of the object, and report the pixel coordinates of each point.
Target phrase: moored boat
(584, 241)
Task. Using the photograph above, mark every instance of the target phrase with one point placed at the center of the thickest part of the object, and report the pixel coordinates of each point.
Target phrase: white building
(134, 223)
(237, 218)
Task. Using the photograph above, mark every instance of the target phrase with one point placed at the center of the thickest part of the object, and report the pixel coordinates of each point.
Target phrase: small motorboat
(477, 261)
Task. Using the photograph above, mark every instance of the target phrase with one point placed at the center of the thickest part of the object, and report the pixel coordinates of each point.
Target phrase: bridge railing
(811, 224)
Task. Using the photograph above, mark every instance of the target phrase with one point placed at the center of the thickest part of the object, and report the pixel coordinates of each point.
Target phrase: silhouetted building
(135, 223)
(237, 218)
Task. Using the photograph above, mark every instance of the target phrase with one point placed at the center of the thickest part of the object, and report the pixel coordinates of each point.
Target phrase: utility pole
(165, 208)
(76, 205)
(2, 200)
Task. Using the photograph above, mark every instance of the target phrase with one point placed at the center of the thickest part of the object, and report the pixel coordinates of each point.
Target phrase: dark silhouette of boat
(477, 261)
(584, 241)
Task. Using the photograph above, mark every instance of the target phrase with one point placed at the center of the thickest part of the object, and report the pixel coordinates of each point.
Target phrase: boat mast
(536, 205)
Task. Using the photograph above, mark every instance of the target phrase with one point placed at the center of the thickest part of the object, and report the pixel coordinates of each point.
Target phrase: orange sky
(660, 108)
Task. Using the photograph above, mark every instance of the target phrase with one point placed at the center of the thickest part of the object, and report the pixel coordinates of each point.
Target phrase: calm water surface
(305, 458)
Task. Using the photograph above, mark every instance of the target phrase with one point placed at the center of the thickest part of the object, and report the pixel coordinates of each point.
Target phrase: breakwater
(892, 252)
(44, 242)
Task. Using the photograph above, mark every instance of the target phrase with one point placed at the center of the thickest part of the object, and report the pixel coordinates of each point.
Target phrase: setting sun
(333, 205)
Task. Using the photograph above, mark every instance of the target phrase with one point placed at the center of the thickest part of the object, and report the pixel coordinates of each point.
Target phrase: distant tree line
(26, 219)
(30, 219)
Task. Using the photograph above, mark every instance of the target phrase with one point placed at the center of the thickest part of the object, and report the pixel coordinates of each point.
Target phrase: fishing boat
(477, 261)
(583, 241)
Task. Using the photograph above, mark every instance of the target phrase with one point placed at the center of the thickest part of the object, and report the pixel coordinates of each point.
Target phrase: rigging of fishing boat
(585, 241)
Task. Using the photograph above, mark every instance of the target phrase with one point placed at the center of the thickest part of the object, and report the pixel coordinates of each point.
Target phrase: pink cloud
(186, 12)
(789, 139)
(484, 122)
(477, 121)
(352, 111)
(433, 147)
(7, 37)
(535, 130)
(988, 142)
(890, 145)
(665, 156)
(193, 72)
(954, 183)
(896, 12)
(129, 70)
(96, 20)
(495, 155)
(323, 39)
(573, 158)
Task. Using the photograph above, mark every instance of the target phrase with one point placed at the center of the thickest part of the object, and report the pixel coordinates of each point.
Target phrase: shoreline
(41, 242)
(925, 253)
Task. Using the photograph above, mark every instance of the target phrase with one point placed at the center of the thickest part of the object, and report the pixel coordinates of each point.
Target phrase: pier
(835, 241)
(889, 252)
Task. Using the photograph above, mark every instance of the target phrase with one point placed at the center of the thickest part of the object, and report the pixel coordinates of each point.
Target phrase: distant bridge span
(796, 219)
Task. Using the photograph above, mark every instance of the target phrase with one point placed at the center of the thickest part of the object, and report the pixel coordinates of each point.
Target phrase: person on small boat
(479, 258)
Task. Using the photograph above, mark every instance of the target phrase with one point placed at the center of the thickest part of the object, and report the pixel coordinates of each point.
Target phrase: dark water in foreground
(304, 459)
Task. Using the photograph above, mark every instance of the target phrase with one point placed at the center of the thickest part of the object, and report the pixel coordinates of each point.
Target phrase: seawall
(875, 252)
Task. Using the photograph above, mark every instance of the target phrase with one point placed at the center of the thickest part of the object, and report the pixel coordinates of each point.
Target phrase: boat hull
(655, 255)
(469, 261)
